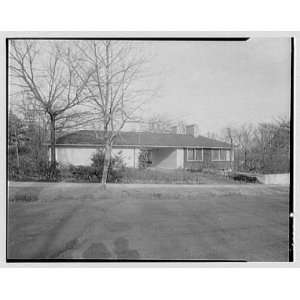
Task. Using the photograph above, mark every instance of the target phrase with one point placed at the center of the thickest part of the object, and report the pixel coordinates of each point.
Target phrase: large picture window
(215, 154)
(223, 154)
(194, 154)
(220, 155)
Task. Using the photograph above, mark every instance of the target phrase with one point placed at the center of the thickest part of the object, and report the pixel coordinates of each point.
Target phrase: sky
(216, 84)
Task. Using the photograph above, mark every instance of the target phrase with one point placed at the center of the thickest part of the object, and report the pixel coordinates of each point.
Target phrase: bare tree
(16, 136)
(212, 135)
(229, 137)
(159, 123)
(47, 72)
(116, 93)
(241, 142)
(264, 147)
(244, 137)
(272, 145)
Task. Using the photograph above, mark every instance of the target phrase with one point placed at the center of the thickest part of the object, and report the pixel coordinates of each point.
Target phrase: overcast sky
(215, 84)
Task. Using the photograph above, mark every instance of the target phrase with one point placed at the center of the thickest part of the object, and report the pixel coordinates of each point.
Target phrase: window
(194, 154)
(190, 155)
(215, 154)
(220, 155)
(199, 154)
(228, 152)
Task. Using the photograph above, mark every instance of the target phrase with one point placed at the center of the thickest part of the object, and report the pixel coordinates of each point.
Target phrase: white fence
(274, 178)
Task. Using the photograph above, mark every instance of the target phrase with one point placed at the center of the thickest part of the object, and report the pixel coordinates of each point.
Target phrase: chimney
(174, 129)
(191, 130)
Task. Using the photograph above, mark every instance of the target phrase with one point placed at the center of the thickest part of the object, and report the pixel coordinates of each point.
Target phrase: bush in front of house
(162, 176)
(245, 178)
(195, 169)
(177, 176)
(93, 173)
(79, 173)
(116, 167)
(31, 167)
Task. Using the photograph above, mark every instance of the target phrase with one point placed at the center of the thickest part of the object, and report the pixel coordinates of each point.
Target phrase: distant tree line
(27, 155)
(264, 148)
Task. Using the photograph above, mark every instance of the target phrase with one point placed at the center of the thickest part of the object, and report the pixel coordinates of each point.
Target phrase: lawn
(165, 176)
(214, 222)
(81, 174)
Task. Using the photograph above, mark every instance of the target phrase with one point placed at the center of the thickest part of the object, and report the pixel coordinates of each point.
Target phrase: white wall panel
(82, 156)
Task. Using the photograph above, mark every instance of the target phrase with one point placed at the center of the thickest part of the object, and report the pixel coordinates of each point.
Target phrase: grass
(80, 220)
(136, 175)
(161, 176)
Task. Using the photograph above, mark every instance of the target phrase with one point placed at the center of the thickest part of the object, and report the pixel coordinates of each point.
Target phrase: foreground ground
(213, 222)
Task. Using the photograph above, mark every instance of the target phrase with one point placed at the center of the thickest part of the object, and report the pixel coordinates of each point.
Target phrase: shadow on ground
(82, 221)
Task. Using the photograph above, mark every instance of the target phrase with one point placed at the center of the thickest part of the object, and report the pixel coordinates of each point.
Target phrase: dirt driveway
(68, 220)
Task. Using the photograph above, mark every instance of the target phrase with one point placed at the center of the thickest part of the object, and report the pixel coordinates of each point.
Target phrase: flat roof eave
(141, 146)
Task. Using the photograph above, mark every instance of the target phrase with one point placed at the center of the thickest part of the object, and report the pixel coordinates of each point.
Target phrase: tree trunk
(231, 158)
(245, 161)
(262, 165)
(17, 157)
(52, 147)
(231, 154)
(106, 163)
(107, 147)
(17, 152)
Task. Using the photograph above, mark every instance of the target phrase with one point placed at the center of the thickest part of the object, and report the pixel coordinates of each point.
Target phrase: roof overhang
(137, 146)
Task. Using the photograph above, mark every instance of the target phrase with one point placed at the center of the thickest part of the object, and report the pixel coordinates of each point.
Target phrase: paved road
(235, 222)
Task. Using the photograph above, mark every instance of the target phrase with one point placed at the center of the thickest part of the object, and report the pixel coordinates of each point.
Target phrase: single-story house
(166, 150)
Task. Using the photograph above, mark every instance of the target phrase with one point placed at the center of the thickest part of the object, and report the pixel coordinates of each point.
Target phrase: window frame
(219, 156)
(194, 154)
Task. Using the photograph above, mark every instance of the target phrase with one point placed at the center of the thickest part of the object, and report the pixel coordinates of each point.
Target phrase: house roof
(141, 139)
